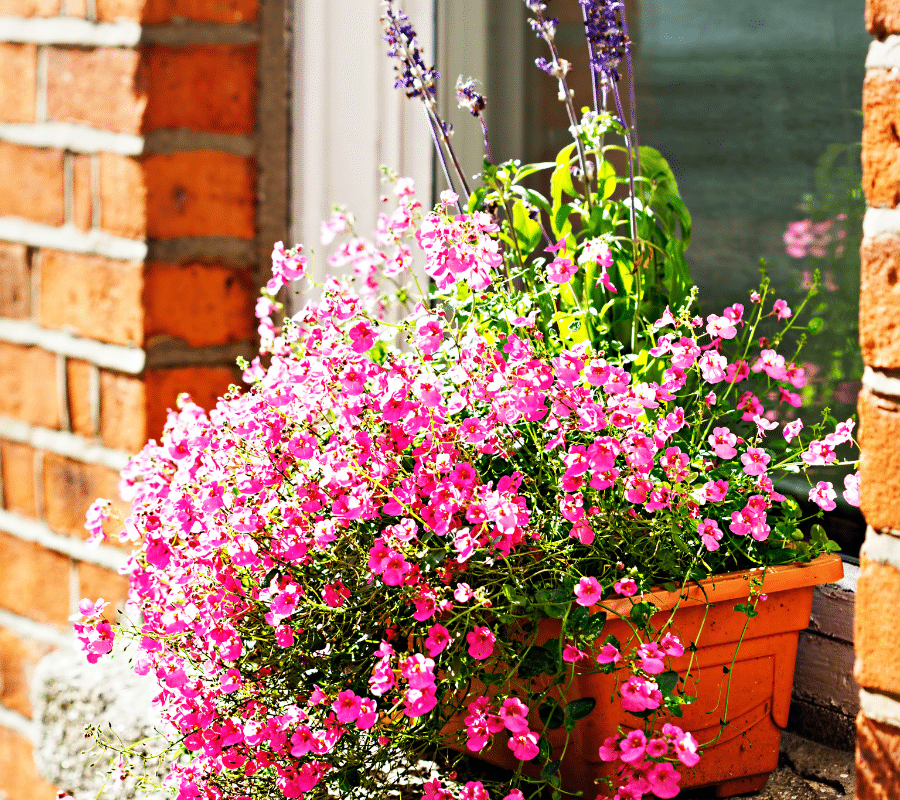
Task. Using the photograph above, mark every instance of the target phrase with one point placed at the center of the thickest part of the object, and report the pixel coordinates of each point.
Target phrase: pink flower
(368, 715)
(722, 441)
(463, 593)
(588, 592)
(672, 645)
(524, 746)
(792, 429)
(663, 780)
(633, 746)
(561, 270)
(347, 706)
(715, 491)
(609, 654)
(686, 749)
(335, 594)
(438, 639)
(481, 642)
(626, 587)
(851, 489)
(823, 495)
(514, 714)
(781, 309)
(650, 656)
(710, 534)
(755, 461)
(572, 655)
(639, 694)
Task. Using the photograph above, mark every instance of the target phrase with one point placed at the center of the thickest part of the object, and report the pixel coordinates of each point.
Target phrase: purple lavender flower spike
(412, 72)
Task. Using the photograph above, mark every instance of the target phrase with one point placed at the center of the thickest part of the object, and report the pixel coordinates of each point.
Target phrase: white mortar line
(69, 136)
(71, 31)
(28, 530)
(881, 220)
(880, 707)
(882, 548)
(28, 628)
(62, 444)
(884, 55)
(880, 383)
(20, 724)
(130, 360)
(71, 240)
(42, 80)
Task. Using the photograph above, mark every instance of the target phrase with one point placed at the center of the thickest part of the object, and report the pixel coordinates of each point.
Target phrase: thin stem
(487, 144)
(633, 103)
(440, 153)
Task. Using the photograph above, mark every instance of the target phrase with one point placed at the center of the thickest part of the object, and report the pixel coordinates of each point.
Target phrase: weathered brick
(18, 658)
(81, 414)
(29, 8)
(881, 139)
(156, 11)
(123, 196)
(17, 97)
(877, 760)
(123, 411)
(882, 17)
(34, 582)
(28, 385)
(227, 75)
(20, 779)
(18, 478)
(31, 183)
(202, 193)
(877, 617)
(15, 281)
(105, 87)
(69, 489)
(82, 192)
(204, 384)
(879, 299)
(95, 582)
(93, 296)
(879, 431)
(202, 304)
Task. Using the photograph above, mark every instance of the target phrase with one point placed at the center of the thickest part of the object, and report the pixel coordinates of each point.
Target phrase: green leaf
(560, 221)
(606, 180)
(551, 715)
(528, 232)
(579, 709)
(578, 618)
(815, 325)
(641, 613)
(538, 661)
(667, 681)
(550, 769)
(544, 750)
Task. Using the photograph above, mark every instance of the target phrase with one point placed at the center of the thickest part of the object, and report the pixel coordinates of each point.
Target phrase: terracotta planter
(747, 751)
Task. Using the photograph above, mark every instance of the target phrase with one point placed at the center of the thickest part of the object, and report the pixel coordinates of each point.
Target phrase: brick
(77, 8)
(879, 299)
(82, 193)
(879, 431)
(156, 11)
(877, 617)
(69, 489)
(29, 8)
(123, 196)
(19, 778)
(202, 304)
(202, 88)
(882, 17)
(18, 478)
(32, 183)
(123, 411)
(34, 582)
(881, 138)
(18, 658)
(105, 87)
(877, 760)
(81, 415)
(204, 384)
(18, 97)
(28, 385)
(95, 582)
(203, 193)
(15, 281)
(92, 296)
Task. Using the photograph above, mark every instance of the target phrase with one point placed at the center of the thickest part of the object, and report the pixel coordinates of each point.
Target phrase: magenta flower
(823, 495)
(639, 694)
(755, 461)
(514, 714)
(609, 654)
(481, 642)
(524, 745)
(588, 592)
(438, 639)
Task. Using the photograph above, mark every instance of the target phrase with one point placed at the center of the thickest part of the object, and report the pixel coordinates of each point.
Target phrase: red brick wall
(877, 607)
(130, 187)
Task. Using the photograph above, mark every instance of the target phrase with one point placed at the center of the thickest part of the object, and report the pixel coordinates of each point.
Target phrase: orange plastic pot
(759, 697)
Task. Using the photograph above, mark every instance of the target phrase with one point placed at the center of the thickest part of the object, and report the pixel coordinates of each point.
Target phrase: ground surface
(806, 771)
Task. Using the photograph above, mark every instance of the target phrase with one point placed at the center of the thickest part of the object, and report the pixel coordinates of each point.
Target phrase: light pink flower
(851, 489)
(588, 592)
